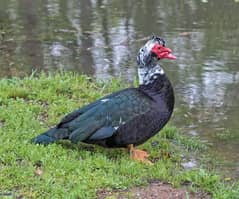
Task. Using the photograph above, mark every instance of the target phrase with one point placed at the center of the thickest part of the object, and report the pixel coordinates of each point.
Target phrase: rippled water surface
(101, 38)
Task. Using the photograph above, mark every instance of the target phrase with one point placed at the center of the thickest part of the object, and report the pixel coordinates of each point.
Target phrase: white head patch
(148, 67)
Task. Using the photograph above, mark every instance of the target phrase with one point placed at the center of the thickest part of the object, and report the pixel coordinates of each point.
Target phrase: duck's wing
(102, 120)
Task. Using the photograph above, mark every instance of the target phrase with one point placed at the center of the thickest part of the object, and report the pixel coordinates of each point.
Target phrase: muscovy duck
(125, 118)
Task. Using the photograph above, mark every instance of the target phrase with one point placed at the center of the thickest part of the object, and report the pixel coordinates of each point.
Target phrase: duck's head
(148, 57)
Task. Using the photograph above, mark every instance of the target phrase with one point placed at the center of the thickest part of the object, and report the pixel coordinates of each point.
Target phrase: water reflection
(101, 38)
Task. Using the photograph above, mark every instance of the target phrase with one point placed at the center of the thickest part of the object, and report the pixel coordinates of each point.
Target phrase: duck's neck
(148, 74)
(156, 85)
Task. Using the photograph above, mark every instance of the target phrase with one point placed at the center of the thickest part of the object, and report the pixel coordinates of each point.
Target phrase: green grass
(31, 105)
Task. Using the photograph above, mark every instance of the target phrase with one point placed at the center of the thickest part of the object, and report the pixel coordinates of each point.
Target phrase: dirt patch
(155, 190)
(2, 122)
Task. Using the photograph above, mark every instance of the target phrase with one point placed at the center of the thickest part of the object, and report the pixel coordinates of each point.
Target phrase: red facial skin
(162, 52)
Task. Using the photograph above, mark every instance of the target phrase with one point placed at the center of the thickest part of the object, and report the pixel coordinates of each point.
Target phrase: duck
(125, 118)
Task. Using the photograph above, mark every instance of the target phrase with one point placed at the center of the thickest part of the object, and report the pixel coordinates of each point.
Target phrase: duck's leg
(138, 154)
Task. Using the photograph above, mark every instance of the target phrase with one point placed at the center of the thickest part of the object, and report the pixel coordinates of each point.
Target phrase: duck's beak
(162, 52)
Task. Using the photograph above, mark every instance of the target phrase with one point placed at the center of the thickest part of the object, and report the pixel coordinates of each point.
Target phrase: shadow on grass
(112, 154)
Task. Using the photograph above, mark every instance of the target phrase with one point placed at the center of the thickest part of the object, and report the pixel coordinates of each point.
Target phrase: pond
(101, 39)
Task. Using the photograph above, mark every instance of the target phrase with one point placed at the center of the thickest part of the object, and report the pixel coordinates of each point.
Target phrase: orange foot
(138, 154)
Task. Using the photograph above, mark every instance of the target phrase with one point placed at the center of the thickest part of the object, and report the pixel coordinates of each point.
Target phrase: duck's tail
(51, 136)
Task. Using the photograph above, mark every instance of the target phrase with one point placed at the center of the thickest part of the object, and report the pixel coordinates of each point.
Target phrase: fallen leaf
(38, 171)
(227, 179)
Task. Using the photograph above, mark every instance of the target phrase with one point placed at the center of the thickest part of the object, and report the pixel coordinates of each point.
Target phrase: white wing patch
(105, 100)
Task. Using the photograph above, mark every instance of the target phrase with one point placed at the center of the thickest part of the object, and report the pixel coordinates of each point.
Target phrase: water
(101, 38)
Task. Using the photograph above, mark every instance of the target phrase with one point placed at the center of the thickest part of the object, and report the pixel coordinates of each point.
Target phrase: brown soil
(155, 190)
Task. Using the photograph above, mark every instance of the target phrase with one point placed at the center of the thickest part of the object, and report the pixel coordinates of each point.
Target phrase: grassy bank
(31, 105)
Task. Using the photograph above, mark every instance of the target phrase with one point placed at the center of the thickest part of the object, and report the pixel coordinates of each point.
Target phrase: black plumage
(129, 116)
